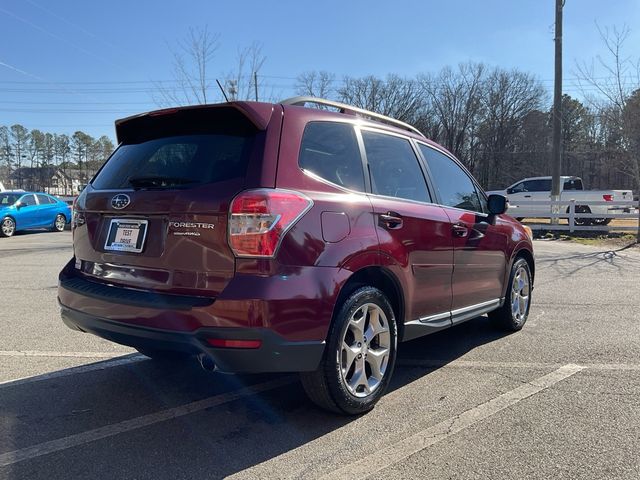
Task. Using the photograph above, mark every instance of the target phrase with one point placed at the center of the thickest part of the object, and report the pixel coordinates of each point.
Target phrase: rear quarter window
(330, 151)
(45, 200)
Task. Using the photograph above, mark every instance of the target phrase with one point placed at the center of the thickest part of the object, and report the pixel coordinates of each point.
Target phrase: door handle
(390, 220)
(527, 196)
(460, 230)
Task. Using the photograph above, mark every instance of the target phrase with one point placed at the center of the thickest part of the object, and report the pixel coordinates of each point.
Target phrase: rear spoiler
(184, 120)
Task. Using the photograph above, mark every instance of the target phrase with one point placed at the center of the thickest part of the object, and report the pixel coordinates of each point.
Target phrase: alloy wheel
(365, 349)
(8, 227)
(60, 223)
(520, 292)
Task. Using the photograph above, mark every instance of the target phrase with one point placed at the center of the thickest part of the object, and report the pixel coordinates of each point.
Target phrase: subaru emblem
(120, 201)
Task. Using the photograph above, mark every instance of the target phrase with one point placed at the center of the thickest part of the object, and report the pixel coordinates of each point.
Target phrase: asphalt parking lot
(561, 399)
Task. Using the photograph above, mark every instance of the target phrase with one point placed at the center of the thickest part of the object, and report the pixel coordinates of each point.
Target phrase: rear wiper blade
(158, 181)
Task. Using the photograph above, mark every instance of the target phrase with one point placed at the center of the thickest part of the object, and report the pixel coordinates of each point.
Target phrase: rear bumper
(275, 353)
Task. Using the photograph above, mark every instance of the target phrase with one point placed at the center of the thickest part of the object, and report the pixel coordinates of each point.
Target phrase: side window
(575, 184)
(455, 187)
(529, 186)
(539, 185)
(330, 150)
(43, 200)
(517, 188)
(28, 200)
(394, 167)
(543, 186)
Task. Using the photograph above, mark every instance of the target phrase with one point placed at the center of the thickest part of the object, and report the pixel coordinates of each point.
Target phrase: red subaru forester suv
(266, 237)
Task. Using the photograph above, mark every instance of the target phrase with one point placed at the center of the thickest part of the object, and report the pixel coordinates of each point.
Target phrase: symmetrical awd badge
(120, 201)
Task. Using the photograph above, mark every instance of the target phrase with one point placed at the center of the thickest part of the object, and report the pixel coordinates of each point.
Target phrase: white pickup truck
(539, 189)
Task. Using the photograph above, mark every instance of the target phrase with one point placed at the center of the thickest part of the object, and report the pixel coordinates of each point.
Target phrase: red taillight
(258, 220)
(226, 343)
(608, 198)
(77, 218)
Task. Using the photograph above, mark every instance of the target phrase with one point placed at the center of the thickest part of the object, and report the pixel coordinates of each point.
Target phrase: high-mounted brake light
(259, 219)
(165, 111)
(608, 198)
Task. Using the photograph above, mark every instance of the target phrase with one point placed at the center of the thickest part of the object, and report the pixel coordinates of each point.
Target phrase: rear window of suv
(176, 161)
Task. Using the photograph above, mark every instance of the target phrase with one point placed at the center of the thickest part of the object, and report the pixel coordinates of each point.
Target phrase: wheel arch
(384, 280)
(13, 218)
(8, 215)
(527, 254)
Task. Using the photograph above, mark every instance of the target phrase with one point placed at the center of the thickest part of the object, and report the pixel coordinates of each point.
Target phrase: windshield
(176, 162)
(8, 199)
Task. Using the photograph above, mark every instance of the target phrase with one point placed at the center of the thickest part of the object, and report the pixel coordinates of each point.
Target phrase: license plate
(126, 235)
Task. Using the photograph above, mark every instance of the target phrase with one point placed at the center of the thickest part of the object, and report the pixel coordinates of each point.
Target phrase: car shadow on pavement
(570, 265)
(447, 345)
(48, 424)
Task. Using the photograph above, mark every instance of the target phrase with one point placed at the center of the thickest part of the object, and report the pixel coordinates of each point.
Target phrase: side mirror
(497, 204)
(509, 191)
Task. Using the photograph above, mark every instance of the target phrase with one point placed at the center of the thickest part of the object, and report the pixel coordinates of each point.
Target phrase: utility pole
(556, 148)
(255, 83)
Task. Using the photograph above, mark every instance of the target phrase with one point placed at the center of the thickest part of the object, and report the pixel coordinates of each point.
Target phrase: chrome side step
(440, 321)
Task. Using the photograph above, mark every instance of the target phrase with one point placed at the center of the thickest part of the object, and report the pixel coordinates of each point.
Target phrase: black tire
(164, 355)
(59, 223)
(582, 221)
(7, 227)
(328, 386)
(602, 221)
(504, 317)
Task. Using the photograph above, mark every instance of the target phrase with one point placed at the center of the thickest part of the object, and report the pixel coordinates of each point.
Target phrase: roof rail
(344, 108)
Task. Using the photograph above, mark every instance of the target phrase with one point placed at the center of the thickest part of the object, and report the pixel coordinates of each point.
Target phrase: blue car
(27, 210)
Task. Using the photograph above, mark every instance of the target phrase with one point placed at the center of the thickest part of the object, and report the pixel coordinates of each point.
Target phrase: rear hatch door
(155, 215)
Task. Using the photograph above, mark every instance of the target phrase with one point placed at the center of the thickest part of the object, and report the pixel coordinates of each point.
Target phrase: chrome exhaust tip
(206, 362)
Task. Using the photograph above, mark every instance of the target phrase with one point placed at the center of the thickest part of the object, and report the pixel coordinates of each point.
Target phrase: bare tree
(194, 81)
(191, 64)
(614, 76)
(455, 97)
(616, 100)
(316, 84)
(395, 97)
(244, 83)
(631, 130)
(508, 97)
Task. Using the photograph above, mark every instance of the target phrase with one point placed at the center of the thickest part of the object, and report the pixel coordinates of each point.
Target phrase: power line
(77, 27)
(59, 38)
(14, 102)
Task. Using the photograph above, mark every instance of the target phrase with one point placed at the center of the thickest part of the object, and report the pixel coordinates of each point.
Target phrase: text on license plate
(126, 235)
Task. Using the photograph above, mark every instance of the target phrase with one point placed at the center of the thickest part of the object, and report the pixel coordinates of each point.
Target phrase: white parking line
(524, 365)
(116, 362)
(34, 353)
(472, 364)
(368, 466)
(82, 438)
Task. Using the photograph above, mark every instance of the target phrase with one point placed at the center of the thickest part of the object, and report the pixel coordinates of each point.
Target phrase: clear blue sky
(78, 65)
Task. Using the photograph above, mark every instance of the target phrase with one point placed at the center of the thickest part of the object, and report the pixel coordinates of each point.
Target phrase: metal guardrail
(567, 210)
